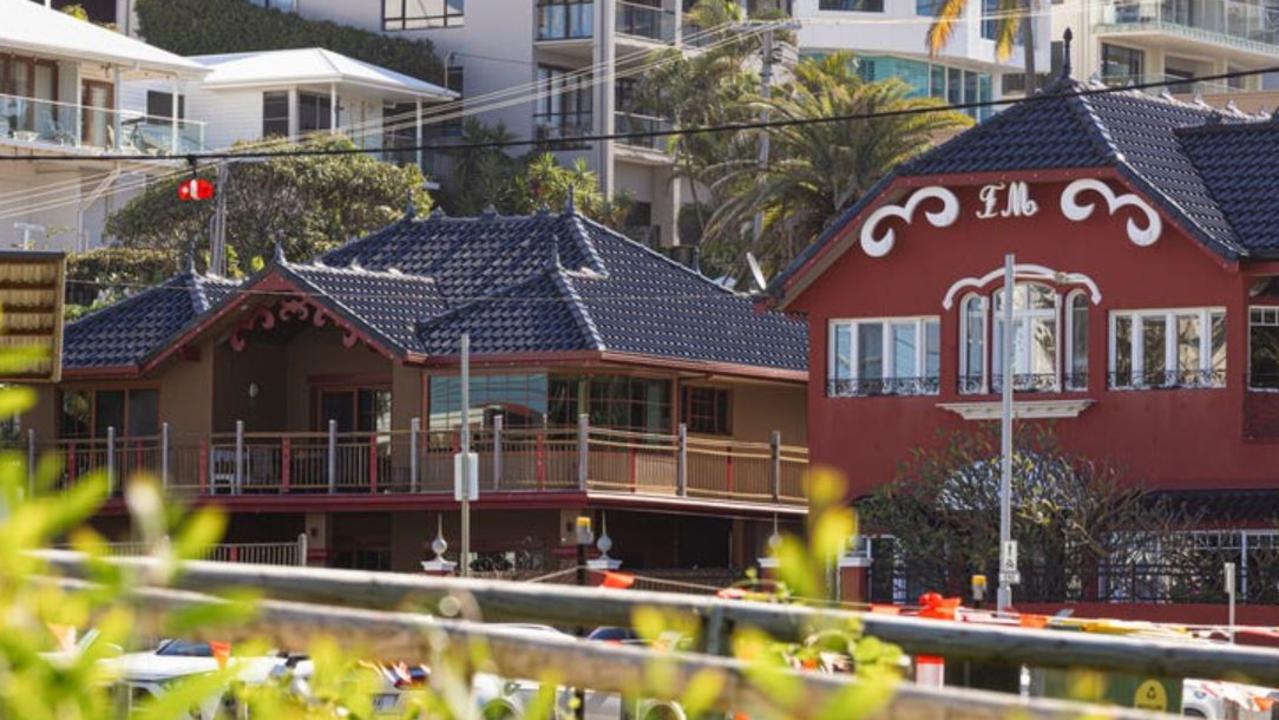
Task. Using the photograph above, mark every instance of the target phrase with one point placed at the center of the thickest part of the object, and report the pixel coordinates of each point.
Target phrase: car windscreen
(185, 648)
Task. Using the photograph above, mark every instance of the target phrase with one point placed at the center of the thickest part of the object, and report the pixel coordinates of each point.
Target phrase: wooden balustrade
(511, 460)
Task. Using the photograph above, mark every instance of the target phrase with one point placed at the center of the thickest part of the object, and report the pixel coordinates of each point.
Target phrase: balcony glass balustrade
(47, 122)
(1247, 25)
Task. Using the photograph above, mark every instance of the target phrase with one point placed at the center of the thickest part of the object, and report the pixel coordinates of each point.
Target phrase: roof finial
(553, 254)
(490, 211)
(410, 209)
(569, 207)
(1066, 37)
(190, 264)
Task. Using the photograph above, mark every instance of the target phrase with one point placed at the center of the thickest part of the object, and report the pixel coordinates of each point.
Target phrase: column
(293, 112)
(606, 62)
(417, 134)
(333, 109)
(319, 536)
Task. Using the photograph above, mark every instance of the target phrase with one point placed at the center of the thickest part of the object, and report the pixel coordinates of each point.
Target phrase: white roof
(29, 27)
(311, 65)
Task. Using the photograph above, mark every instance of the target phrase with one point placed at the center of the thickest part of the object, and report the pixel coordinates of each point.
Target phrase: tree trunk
(1028, 45)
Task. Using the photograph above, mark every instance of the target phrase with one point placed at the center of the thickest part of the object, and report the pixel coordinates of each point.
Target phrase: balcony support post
(775, 465)
(175, 101)
(333, 456)
(164, 455)
(117, 125)
(497, 452)
(239, 458)
(111, 483)
(333, 112)
(583, 450)
(286, 463)
(681, 461)
(417, 134)
(415, 429)
(31, 462)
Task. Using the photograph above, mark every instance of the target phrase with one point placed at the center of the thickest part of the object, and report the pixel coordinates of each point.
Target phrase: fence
(277, 553)
(511, 460)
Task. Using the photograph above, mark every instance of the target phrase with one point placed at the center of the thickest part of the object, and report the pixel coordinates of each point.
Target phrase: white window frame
(1168, 316)
(1067, 346)
(887, 355)
(1264, 309)
(964, 371)
(1027, 315)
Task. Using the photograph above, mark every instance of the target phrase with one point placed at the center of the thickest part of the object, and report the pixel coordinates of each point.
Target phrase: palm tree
(816, 169)
(1010, 15)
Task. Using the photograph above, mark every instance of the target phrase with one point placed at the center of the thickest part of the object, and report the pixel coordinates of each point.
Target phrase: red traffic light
(195, 189)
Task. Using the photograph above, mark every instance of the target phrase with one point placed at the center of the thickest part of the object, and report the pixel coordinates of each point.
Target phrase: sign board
(32, 288)
(471, 489)
(1160, 694)
(1009, 557)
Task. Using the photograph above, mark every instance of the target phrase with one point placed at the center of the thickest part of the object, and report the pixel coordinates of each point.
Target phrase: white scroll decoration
(1074, 210)
(881, 246)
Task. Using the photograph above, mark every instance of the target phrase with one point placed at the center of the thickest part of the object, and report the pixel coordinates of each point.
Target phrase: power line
(557, 143)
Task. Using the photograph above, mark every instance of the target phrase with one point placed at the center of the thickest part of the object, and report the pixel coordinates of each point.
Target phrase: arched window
(972, 345)
(1076, 341)
(1034, 338)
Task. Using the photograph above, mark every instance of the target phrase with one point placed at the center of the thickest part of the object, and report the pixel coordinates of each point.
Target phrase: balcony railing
(261, 553)
(1224, 22)
(46, 122)
(563, 125)
(515, 460)
(1168, 380)
(645, 21)
(1176, 85)
(624, 122)
(865, 387)
(566, 21)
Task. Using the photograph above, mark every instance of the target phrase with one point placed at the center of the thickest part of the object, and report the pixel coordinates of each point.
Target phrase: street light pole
(466, 455)
(1007, 555)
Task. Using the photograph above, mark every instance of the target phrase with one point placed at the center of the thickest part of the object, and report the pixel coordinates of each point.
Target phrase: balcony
(517, 461)
(1231, 23)
(563, 125)
(1176, 85)
(645, 21)
(566, 21)
(31, 121)
(625, 123)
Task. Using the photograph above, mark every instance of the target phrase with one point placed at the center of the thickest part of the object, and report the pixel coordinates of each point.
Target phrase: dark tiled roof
(549, 282)
(1160, 144)
(128, 331)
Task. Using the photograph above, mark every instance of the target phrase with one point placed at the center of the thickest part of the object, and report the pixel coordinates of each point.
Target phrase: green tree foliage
(484, 177)
(203, 27)
(314, 203)
(1070, 515)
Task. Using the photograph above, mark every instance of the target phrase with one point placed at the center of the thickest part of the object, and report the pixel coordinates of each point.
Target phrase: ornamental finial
(1066, 37)
(410, 209)
(439, 545)
(569, 207)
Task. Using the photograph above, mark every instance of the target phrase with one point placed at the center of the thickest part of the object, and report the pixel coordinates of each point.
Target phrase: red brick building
(1146, 235)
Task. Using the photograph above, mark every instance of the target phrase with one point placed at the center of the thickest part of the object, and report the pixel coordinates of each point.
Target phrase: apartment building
(888, 37)
(1135, 41)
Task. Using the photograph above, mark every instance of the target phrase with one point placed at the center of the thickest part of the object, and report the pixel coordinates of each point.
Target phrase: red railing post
(204, 465)
(373, 463)
(540, 461)
(728, 468)
(634, 469)
(286, 463)
(233, 554)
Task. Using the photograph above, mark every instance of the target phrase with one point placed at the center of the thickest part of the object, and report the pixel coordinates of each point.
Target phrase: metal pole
(465, 560)
(497, 452)
(583, 450)
(775, 464)
(1230, 598)
(333, 456)
(239, 457)
(302, 548)
(766, 89)
(415, 429)
(164, 455)
(111, 483)
(1004, 596)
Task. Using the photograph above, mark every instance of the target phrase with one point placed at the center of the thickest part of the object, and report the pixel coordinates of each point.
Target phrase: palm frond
(947, 13)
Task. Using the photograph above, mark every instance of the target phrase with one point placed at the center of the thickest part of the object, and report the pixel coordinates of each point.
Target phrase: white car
(151, 674)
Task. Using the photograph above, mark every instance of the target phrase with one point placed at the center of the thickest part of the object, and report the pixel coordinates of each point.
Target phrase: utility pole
(217, 249)
(765, 91)
(583, 537)
(466, 456)
(1007, 550)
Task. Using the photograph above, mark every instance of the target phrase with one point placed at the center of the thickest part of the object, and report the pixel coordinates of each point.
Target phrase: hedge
(208, 27)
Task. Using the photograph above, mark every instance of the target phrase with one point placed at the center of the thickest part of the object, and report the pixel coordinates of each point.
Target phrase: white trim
(1024, 271)
(1078, 212)
(881, 246)
(1023, 409)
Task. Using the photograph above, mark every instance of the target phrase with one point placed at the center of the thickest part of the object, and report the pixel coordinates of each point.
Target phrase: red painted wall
(1163, 438)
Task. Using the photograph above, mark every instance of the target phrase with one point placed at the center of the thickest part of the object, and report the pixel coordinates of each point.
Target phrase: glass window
(564, 19)
(275, 114)
(108, 412)
(1077, 349)
(707, 410)
(1162, 349)
(563, 107)
(373, 410)
(1034, 338)
(954, 86)
(421, 14)
(519, 399)
(144, 413)
(871, 357)
(314, 112)
(989, 19)
(937, 85)
(972, 366)
(1120, 64)
(852, 5)
(77, 413)
(1263, 348)
(160, 105)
